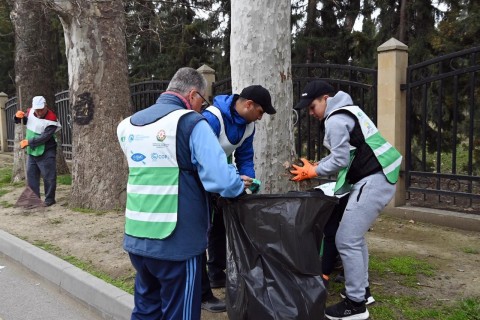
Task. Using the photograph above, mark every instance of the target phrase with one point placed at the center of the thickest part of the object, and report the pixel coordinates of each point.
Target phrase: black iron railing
(443, 129)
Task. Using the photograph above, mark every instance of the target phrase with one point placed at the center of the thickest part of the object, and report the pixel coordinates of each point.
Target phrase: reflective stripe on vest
(152, 189)
(227, 146)
(388, 157)
(35, 127)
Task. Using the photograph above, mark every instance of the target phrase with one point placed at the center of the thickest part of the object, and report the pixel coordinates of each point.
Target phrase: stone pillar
(391, 114)
(209, 75)
(3, 122)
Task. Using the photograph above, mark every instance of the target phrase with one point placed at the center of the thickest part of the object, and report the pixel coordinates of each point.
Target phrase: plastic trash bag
(273, 264)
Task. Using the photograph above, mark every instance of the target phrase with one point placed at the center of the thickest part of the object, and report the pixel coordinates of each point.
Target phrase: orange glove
(305, 172)
(20, 114)
(23, 143)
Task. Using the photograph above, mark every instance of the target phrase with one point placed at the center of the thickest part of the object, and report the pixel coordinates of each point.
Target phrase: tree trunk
(310, 26)
(31, 49)
(261, 54)
(352, 11)
(402, 25)
(33, 69)
(99, 93)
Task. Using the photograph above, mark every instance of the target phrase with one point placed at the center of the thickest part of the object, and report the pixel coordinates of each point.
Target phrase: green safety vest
(388, 157)
(35, 127)
(152, 189)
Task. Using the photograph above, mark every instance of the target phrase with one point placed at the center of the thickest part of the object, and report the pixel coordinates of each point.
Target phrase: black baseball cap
(260, 96)
(313, 90)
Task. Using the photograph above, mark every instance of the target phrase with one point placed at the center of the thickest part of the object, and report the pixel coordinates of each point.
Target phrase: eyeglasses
(205, 102)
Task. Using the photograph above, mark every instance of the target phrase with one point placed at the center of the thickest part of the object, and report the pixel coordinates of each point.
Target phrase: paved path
(26, 296)
(33, 281)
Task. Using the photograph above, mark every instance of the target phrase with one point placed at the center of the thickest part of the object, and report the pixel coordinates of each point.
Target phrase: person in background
(41, 146)
(174, 159)
(368, 167)
(232, 118)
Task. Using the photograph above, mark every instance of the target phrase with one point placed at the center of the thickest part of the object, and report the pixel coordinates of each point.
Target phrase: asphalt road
(26, 296)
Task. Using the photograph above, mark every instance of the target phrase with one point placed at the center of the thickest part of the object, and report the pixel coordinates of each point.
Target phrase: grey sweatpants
(367, 198)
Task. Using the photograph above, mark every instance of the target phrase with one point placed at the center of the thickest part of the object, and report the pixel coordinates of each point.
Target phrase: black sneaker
(347, 310)
(368, 297)
(50, 203)
(214, 284)
(214, 305)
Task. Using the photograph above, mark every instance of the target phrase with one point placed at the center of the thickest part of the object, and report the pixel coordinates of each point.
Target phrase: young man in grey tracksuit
(367, 166)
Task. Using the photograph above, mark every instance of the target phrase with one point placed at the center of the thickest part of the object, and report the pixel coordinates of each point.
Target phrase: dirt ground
(97, 239)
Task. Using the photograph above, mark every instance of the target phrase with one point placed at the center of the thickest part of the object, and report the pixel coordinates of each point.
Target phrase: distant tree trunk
(352, 10)
(33, 69)
(310, 26)
(29, 26)
(99, 93)
(261, 54)
(402, 25)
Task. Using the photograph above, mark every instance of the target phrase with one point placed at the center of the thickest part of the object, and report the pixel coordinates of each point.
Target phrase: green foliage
(408, 308)
(5, 204)
(125, 283)
(471, 250)
(65, 179)
(405, 270)
(5, 176)
(6, 180)
(405, 266)
(164, 36)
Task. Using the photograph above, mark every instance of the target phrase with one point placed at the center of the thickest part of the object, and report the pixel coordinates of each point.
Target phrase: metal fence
(64, 117)
(360, 83)
(443, 130)
(144, 94)
(64, 114)
(10, 110)
(442, 157)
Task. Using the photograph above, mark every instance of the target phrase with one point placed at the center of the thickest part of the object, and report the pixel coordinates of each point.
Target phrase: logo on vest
(138, 157)
(161, 135)
(155, 156)
(137, 137)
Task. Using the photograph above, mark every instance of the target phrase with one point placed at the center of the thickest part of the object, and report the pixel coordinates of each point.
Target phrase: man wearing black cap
(232, 118)
(368, 167)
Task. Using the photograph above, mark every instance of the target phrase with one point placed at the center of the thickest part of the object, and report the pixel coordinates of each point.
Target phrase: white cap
(38, 102)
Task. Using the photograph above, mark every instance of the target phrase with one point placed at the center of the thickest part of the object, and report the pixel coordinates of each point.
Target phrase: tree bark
(99, 93)
(402, 25)
(31, 39)
(352, 9)
(310, 26)
(34, 74)
(261, 54)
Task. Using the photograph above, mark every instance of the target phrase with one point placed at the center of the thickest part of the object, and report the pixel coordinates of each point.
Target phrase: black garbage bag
(273, 264)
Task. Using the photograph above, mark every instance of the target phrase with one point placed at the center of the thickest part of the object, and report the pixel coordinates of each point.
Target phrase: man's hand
(247, 181)
(20, 114)
(305, 172)
(23, 143)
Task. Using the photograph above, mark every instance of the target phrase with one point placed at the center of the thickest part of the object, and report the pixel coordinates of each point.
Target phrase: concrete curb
(462, 221)
(110, 301)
